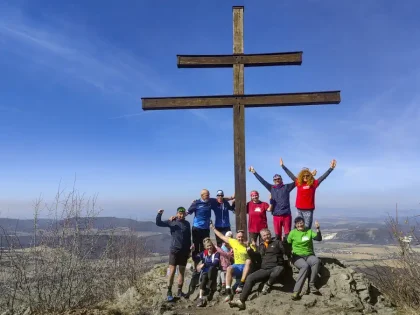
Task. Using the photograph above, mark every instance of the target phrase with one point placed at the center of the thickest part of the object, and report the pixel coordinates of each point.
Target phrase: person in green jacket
(303, 256)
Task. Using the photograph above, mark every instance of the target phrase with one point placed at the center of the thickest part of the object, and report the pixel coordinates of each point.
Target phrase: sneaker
(313, 289)
(201, 302)
(181, 294)
(170, 298)
(238, 303)
(295, 296)
(239, 288)
(223, 291)
(229, 296)
(266, 289)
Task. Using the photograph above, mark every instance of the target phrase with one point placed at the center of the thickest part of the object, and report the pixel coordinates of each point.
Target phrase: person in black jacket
(270, 252)
(179, 249)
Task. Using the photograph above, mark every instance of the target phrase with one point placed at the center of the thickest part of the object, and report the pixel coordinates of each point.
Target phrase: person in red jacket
(306, 187)
(257, 215)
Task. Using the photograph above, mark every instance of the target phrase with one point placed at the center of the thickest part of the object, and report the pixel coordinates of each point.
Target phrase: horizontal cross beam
(248, 60)
(250, 100)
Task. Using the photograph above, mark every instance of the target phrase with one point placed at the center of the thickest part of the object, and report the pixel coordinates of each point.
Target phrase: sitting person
(226, 259)
(242, 263)
(207, 264)
(272, 265)
(303, 256)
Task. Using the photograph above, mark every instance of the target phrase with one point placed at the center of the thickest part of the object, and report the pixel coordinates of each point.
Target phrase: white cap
(220, 192)
(229, 234)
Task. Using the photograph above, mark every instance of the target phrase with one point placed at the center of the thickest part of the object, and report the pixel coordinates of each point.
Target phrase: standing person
(202, 215)
(306, 188)
(303, 256)
(242, 262)
(179, 249)
(226, 259)
(208, 262)
(221, 208)
(280, 195)
(257, 215)
(272, 265)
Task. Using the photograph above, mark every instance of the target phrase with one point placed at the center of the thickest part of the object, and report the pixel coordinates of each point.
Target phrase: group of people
(262, 259)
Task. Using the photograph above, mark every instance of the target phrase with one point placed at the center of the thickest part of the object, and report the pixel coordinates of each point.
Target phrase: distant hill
(101, 223)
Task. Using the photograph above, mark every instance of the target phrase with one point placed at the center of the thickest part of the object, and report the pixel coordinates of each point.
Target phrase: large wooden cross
(238, 60)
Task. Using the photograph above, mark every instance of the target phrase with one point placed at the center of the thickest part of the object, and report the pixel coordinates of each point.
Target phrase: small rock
(345, 276)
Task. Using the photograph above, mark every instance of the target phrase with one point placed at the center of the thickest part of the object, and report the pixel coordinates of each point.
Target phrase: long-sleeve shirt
(202, 213)
(208, 260)
(226, 256)
(280, 194)
(180, 232)
(270, 254)
(305, 197)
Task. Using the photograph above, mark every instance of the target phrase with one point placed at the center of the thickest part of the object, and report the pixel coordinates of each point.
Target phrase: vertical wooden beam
(239, 123)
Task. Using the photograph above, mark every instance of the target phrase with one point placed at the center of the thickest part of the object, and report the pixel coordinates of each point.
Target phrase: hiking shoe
(223, 291)
(201, 302)
(313, 289)
(238, 303)
(229, 296)
(181, 294)
(239, 288)
(170, 298)
(295, 296)
(266, 289)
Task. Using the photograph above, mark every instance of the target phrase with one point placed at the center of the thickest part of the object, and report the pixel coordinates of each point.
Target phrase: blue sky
(73, 74)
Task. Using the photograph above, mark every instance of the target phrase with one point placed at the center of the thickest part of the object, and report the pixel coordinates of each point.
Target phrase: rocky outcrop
(342, 291)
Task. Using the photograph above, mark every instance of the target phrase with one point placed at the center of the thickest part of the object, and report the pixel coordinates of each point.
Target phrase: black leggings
(198, 235)
(272, 275)
(209, 279)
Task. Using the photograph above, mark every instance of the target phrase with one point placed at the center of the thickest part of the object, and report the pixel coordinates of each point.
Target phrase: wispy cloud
(78, 54)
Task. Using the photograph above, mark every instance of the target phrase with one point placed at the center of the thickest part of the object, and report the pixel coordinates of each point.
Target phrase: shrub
(398, 277)
(71, 264)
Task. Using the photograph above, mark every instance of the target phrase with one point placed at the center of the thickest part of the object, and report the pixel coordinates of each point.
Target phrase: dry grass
(70, 265)
(399, 278)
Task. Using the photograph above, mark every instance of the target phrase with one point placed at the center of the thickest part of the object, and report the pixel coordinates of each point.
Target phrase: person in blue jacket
(179, 249)
(207, 264)
(221, 210)
(202, 215)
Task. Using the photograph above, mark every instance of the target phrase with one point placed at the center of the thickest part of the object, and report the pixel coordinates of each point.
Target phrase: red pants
(282, 222)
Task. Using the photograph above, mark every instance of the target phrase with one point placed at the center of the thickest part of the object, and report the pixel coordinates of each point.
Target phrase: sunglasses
(239, 231)
(277, 179)
(254, 195)
(220, 195)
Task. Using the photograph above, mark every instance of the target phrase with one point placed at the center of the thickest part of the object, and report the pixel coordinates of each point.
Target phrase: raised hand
(251, 169)
(281, 162)
(172, 218)
(314, 172)
(160, 211)
(317, 224)
(333, 164)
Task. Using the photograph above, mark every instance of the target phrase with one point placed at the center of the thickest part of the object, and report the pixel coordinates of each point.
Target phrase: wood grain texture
(248, 60)
(239, 123)
(251, 100)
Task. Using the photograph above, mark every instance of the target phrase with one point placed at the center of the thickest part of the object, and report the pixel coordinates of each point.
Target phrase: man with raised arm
(270, 253)
(242, 262)
(280, 198)
(180, 247)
